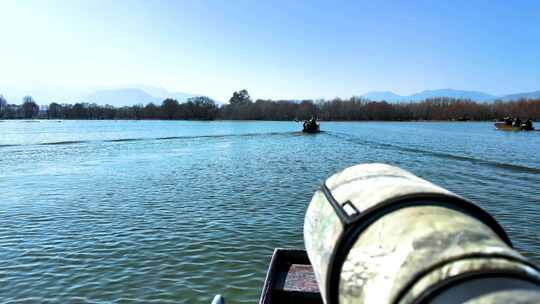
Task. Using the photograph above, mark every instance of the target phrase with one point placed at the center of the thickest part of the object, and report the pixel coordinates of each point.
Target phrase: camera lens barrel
(375, 233)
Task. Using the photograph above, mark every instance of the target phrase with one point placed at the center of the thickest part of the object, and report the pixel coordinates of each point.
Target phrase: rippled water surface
(153, 211)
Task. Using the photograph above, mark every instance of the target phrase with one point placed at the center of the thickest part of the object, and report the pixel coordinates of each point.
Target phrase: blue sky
(275, 49)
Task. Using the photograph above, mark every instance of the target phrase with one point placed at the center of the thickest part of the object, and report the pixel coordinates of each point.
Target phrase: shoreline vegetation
(242, 107)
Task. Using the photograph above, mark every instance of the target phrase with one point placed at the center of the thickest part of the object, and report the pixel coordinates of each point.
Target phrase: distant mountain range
(143, 94)
(462, 94)
(530, 95)
(132, 96)
(116, 96)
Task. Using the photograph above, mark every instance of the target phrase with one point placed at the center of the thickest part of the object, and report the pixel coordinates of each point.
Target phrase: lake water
(158, 211)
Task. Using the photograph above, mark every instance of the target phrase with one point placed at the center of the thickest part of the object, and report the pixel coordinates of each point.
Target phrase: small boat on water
(314, 129)
(311, 126)
(501, 125)
(462, 118)
(290, 279)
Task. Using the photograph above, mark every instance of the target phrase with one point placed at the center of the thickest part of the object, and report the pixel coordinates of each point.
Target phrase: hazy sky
(275, 49)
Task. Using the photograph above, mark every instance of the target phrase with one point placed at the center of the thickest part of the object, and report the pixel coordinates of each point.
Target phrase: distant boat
(501, 125)
(311, 127)
(312, 130)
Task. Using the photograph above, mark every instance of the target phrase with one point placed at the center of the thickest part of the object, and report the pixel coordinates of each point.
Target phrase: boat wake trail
(120, 140)
(66, 142)
(473, 160)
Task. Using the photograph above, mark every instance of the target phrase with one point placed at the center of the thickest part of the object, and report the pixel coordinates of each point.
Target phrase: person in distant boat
(308, 124)
(528, 124)
(313, 121)
(508, 120)
(517, 122)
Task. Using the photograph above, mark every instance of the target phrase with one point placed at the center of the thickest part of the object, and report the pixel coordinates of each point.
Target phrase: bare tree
(29, 107)
(3, 106)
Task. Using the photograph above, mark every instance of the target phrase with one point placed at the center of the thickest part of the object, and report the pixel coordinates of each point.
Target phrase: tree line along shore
(242, 107)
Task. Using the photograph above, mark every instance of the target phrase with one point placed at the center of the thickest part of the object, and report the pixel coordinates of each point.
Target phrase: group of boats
(514, 124)
(506, 124)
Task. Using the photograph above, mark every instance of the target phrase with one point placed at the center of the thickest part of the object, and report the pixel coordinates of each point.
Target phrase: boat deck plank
(301, 278)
